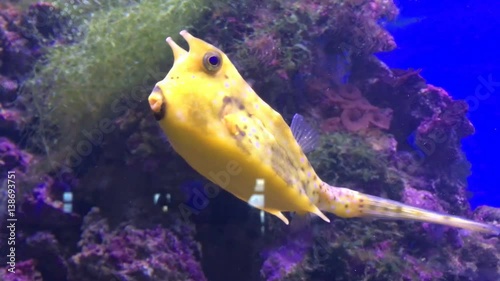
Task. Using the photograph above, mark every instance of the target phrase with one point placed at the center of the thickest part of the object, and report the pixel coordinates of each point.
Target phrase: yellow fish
(227, 133)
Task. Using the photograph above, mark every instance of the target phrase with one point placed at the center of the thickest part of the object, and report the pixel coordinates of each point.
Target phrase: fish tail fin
(385, 208)
(349, 203)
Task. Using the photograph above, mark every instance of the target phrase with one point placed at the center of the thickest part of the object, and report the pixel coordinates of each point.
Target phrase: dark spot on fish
(249, 115)
(302, 169)
(315, 177)
(399, 209)
(373, 207)
(361, 206)
(225, 76)
(361, 200)
(241, 106)
(172, 77)
(387, 209)
(226, 100)
(346, 206)
(257, 137)
(334, 198)
(245, 127)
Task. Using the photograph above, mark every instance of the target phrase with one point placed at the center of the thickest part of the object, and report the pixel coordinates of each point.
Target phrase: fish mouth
(156, 99)
(157, 103)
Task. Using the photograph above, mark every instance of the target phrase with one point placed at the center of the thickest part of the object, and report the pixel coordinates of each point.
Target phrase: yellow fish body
(227, 133)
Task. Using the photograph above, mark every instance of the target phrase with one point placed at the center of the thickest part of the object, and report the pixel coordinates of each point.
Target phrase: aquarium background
(101, 195)
(456, 44)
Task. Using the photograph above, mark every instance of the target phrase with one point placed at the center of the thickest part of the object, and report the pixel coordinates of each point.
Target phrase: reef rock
(129, 253)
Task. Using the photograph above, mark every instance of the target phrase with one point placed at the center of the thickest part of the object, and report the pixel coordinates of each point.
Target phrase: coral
(42, 209)
(439, 135)
(129, 253)
(49, 254)
(430, 123)
(422, 199)
(286, 258)
(487, 214)
(429, 131)
(17, 57)
(346, 109)
(12, 158)
(19, 42)
(12, 121)
(382, 250)
(25, 271)
(8, 89)
(22, 34)
(278, 43)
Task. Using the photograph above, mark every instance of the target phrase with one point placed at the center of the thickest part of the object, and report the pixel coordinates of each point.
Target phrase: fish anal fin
(315, 210)
(279, 215)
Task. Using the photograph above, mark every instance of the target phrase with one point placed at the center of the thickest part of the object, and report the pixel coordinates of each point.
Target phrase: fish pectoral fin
(305, 135)
(279, 215)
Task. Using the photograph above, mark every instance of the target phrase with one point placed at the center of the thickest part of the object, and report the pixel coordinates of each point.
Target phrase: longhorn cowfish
(215, 121)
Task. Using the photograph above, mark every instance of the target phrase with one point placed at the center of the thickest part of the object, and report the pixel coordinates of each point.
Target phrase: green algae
(348, 157)
(350, 160)
(114, 51)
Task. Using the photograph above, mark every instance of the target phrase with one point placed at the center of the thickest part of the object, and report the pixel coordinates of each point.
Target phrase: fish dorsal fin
(307, 137)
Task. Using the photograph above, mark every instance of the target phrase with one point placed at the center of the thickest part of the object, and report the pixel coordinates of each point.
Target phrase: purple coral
(129, 253)
(487, 214)
(41, 207)
(12, 158)
(8, 88)
(286, 259)
(25, 271)
(17, 55)
(439, 133)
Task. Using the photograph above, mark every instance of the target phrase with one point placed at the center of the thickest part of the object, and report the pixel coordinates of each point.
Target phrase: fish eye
(212, 61)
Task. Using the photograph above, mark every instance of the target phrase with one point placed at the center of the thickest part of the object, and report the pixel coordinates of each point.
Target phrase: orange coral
(344, 107)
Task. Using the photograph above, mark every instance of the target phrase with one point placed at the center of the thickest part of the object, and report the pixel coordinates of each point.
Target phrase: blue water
(459, 49)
